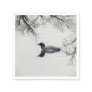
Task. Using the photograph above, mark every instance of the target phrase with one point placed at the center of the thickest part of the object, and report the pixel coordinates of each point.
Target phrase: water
(28, 64)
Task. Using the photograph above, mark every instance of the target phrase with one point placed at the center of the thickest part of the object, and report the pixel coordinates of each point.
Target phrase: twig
(70, 54)
(70, 43)
(29, 28)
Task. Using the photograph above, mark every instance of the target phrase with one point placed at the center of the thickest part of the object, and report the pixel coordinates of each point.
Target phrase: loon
(47, 49)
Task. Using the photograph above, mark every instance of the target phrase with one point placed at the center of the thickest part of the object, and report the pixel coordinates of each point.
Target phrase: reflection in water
(55, 64)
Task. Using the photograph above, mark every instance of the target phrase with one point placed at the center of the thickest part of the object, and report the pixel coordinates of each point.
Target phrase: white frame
(78, 42)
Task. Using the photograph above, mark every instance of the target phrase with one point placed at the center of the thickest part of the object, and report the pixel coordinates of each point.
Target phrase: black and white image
(46, 45)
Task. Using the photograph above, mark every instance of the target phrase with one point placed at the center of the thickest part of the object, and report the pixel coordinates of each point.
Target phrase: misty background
(26, 51)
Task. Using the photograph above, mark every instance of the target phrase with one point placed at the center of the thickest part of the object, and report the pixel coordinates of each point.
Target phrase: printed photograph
(46, 45)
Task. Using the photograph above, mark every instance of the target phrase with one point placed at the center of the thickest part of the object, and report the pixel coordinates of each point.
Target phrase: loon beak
(37, 44)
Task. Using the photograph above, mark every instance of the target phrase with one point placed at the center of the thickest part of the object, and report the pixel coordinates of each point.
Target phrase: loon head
(42, 45)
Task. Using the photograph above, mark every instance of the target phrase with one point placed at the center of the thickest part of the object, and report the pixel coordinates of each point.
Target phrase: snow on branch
(70, 50)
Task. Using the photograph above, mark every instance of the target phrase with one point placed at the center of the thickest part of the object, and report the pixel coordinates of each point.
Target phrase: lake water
(26, 51)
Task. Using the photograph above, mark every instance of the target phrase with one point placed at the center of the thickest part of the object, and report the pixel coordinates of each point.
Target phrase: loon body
(47, 49)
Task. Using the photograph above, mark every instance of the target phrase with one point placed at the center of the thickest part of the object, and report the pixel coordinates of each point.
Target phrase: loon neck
(42, 47)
